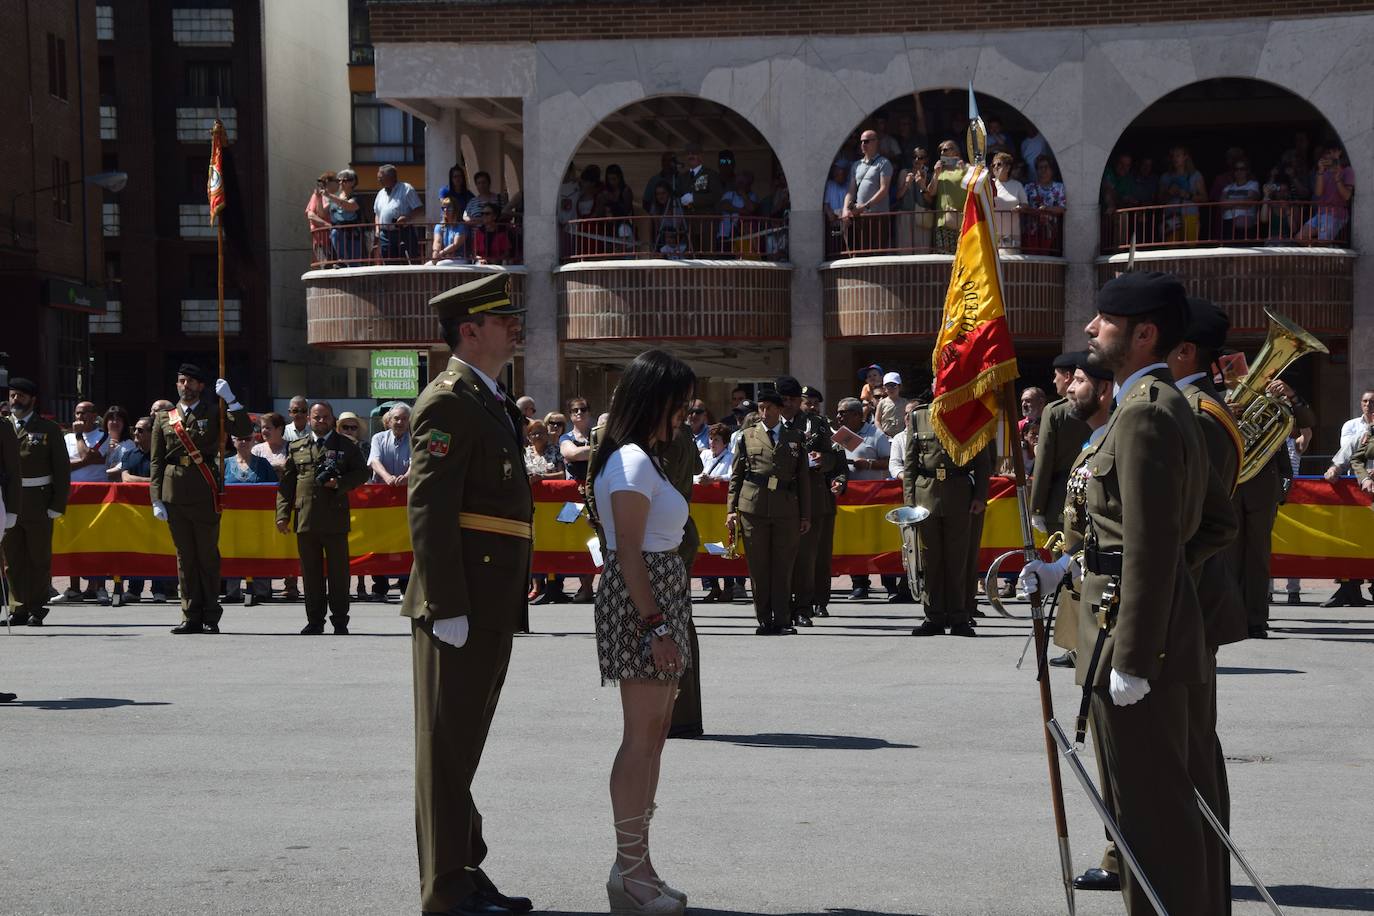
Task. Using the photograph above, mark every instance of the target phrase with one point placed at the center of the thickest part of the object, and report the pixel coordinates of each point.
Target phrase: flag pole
(215, 194)
(977, 150)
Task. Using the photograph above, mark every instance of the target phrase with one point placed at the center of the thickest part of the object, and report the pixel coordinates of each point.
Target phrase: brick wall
(471, 22)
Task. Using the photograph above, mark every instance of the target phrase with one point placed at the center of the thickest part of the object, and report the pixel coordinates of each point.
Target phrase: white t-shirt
(631, 469)
(91, 473)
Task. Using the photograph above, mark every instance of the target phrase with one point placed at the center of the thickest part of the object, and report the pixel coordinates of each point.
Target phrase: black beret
(1142, 292)
(787, 386)
(810, 391)
(1093, 370)
(1070, 360)
(24, 386)
(488, 295)
(1207, 324)
(769, 396)
(191, 370)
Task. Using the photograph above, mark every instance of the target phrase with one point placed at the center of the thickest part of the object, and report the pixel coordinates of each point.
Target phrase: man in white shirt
(297, 414)
(398, 209)
(1352, 433)
(88, 446)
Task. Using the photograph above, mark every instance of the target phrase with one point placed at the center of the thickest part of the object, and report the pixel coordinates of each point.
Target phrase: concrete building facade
(1082, 76)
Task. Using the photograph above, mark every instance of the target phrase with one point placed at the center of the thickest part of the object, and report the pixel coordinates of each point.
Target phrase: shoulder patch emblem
(439, 443)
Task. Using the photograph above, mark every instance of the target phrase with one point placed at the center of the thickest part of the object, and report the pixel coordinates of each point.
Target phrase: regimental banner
(1324, 531)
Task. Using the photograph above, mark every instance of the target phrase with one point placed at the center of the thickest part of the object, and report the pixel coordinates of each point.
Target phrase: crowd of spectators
(887, 193)
(1302, 196)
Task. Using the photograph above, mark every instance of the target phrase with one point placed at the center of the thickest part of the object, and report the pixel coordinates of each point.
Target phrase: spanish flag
(974, 356)
(214, 182)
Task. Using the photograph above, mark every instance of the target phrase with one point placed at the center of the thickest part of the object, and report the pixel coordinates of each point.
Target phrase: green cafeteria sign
(395, 373)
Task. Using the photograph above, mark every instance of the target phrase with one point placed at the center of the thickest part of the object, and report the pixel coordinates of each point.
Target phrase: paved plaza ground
(849, 769)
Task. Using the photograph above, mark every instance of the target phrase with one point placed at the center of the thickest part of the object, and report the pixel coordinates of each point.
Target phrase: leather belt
(37, 481)
(769, 482)
(937, 474)
(1102, 562)
(494, 524)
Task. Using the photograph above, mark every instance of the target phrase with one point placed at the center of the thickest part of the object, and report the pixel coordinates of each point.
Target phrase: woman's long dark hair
(652, 388)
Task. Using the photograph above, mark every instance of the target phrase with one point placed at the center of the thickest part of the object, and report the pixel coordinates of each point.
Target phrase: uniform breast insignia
(940, 474)
(796, 448)
(439, 443)
(332, 454)
(185, 461)
(201, 424)
(1078, 484)
(506, 469)
(37, 438)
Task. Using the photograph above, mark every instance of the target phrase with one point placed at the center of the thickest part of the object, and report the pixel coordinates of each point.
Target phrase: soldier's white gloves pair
(1039, 524)
(53, 513)
(453, 630)
(159, 510)
(224, 391)
(1044, 578)
(1126, 689)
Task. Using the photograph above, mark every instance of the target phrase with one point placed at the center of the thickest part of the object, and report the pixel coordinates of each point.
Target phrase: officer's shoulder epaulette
(446, 381)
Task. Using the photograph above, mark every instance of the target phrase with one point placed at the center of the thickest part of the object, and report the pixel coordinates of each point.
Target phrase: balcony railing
(903, 232)
(675, 236)
(367, 244)
(1205, 225)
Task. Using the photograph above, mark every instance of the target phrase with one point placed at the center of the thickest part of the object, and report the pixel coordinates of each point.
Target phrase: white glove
(223, 390)
(11, 520)
(1127, 688)
(159, 510)
(687, 199)
(453, 630)
(53, 513)
(1042, 578)
(1039, 524)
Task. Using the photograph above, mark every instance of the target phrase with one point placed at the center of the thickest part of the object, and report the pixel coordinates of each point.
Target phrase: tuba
(907, 518)
(1265, 421)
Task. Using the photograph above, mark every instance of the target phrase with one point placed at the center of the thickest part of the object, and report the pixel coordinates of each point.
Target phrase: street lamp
(109, 181)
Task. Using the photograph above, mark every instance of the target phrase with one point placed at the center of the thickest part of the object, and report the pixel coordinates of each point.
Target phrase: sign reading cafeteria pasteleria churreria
(1326, 530)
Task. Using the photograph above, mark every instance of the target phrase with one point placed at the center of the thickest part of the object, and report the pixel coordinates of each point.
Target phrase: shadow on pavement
(807, 742)
(708, 911)
(69, 703)
(1323, 631)
(1221, 669)
(1312, 896)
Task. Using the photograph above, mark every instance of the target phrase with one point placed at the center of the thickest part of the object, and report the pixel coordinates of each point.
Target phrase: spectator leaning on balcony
(1181, 184)
(397, 208)
(1146, 180)
(739, 202)
(1240, 220)
(1276, 214)
(1119, 185)
(667, 173)
(345, 216)
(867, 196)
(317, 215)
(1332, 189)
(914, 221)
(450, 237)
(891, 413)
(946, 195)
(1046, 198)
(491, 241)
(1007, 204)
(1234, 156)
(832, 201)
(1034, 146)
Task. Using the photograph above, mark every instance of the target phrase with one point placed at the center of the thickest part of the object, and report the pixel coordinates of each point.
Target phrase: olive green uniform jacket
(310, 508)
(1061, 440)
(41, 452)
(174, 477)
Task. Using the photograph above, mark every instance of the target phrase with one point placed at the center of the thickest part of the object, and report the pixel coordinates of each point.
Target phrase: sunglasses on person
(349, 427)
(578, 410)
(556, 425)
(696, 411)
(296, 410)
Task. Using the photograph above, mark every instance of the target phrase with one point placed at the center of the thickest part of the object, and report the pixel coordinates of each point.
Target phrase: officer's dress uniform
(770, 489)
(178, 482)
(1223, 622)
(681, 464)
(471, 513)
(811, 581)
(321, 519)
(42, 482)
(1151, 503)
(931, 480)
(1061, 440)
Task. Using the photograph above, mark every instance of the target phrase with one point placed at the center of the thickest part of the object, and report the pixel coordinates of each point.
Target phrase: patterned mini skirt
(621, 648)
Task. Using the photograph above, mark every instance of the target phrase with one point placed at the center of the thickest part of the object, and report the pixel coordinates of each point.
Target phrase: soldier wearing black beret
(825, 462)
(1061, 439)
(35, 494)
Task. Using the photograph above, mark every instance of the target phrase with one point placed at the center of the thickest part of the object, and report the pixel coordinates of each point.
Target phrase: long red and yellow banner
(1326, 530)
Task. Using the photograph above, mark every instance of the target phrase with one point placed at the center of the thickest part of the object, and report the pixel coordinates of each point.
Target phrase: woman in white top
(1008, 201)
(643, 607)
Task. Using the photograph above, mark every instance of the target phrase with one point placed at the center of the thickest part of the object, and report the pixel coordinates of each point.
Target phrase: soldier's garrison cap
(488, 295)
(811, 391)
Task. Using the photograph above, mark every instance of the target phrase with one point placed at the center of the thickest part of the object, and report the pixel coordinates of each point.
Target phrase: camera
(327, 471)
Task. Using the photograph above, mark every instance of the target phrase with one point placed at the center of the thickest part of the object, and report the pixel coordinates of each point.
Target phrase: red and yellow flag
(214, 182)
(974, 356)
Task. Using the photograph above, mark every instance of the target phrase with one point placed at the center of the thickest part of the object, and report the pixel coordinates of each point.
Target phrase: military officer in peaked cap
(41, 482)
(471, 514)
(824, 460)
(770, 503)
(186, 481)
